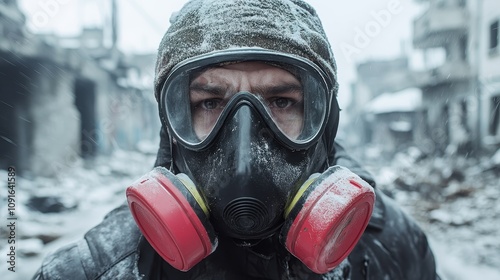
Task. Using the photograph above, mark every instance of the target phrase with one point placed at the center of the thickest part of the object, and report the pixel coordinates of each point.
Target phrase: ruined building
(67, 98)
(459, 81)
(460, 84)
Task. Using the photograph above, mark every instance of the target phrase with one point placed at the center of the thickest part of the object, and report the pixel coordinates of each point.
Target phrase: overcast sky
(358, 30)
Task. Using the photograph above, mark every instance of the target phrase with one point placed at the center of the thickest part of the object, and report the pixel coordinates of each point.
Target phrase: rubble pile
(53, 212)
(454, 199)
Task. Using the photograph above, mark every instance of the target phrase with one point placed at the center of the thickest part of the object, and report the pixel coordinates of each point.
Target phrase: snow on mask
(247, 182)
(322, 222)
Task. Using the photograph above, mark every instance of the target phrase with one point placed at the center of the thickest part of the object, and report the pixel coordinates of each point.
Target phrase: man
(249, 182)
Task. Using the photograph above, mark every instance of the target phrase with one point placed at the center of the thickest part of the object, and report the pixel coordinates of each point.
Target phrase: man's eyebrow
(204, 88)
(278, 89)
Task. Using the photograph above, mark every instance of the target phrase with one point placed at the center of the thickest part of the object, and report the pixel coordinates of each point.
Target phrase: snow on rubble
(53, 212)
(455, 200)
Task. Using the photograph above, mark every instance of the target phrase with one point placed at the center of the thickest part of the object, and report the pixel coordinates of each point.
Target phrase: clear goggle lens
(289, 93)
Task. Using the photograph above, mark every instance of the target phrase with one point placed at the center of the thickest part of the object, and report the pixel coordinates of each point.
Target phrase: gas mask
(243, 162)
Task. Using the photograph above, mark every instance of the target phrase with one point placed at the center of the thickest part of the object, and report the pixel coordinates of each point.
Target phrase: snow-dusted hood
(288, 26)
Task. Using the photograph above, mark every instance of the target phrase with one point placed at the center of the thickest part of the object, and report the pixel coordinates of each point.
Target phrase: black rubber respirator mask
(248, 169)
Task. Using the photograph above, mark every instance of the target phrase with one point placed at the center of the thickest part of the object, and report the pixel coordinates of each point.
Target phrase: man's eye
(210, 104)
(281, 103)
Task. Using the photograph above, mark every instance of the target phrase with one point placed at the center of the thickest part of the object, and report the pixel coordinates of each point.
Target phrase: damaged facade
(449, 100)
(65, 98)
(385, 105)
(489, 72)
(460, 80)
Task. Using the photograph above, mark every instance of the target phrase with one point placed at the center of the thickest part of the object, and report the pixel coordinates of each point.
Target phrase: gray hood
(203, 26)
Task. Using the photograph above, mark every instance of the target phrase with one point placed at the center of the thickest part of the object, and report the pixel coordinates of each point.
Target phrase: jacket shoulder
(107, 251)
(63, 263)
(396, 249)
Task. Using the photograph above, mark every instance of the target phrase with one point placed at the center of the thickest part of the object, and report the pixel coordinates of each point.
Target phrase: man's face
(278, 89)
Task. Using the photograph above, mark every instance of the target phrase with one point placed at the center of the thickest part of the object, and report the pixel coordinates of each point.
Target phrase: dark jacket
(392, 247)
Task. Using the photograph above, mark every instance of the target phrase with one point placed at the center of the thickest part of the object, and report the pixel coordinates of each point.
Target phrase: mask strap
(164, 155)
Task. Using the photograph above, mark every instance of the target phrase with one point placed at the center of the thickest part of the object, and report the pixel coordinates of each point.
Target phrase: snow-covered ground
(456, 204)
(456, 201)
(85, 193)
